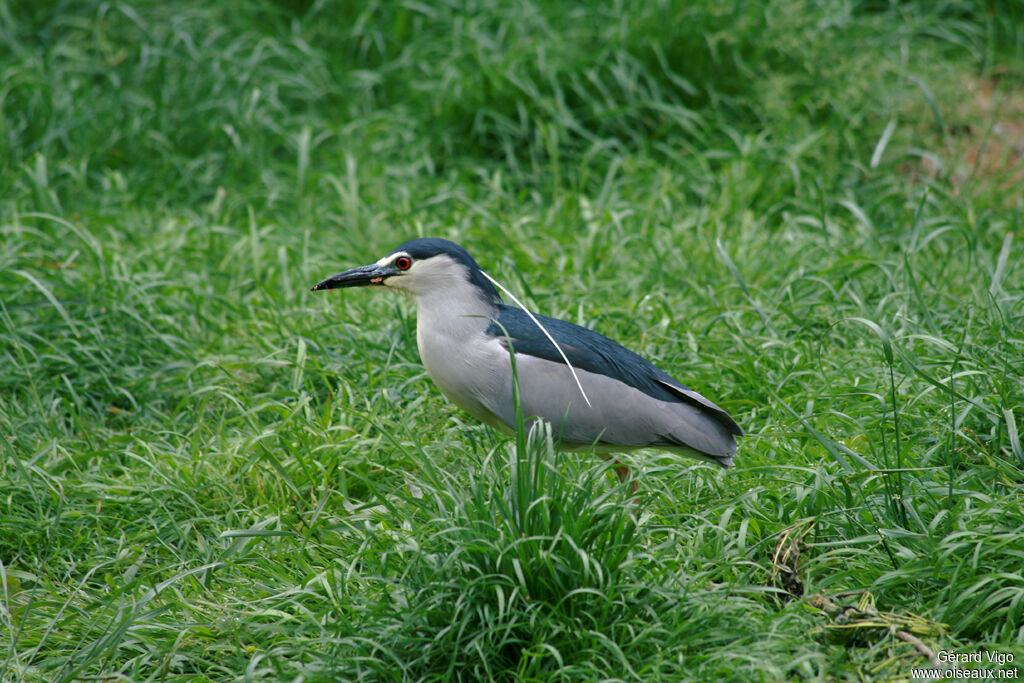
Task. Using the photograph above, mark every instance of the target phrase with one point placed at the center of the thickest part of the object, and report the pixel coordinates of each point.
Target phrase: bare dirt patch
(984, 145)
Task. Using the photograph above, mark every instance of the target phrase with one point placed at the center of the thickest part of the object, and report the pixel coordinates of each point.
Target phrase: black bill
(364, 276)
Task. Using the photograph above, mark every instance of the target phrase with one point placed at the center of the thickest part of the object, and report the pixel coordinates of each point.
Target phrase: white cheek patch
(387, 261)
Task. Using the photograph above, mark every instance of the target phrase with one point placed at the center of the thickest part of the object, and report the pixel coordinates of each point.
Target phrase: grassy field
(811, 212)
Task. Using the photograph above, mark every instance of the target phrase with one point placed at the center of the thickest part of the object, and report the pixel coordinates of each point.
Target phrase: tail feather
(720, 453)
(705, 406)
(701, 431)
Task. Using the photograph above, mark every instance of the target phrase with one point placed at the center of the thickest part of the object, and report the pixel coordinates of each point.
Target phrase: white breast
(464, 362)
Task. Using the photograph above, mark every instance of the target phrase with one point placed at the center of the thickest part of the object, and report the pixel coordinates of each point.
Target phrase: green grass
(810, 212)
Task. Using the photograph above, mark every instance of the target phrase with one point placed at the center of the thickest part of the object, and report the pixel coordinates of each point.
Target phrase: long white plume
(542, 329)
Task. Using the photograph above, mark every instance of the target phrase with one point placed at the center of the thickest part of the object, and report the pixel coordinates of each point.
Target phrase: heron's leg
(622, 471)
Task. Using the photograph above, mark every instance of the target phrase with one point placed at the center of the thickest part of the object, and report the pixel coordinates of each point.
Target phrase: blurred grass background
(808, 211)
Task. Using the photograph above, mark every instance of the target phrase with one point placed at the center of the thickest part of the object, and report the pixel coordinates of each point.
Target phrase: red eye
(403, 263)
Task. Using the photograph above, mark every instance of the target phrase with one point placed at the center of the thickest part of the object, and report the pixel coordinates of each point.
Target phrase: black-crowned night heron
(593, 392)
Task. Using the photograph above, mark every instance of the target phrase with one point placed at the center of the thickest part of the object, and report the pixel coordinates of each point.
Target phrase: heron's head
(428, 267)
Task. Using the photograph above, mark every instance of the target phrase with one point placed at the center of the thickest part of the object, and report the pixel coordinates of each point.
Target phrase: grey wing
(632, 404)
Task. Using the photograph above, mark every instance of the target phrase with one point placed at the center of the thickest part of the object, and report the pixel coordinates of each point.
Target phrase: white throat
(444, 295)
(452, 316)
